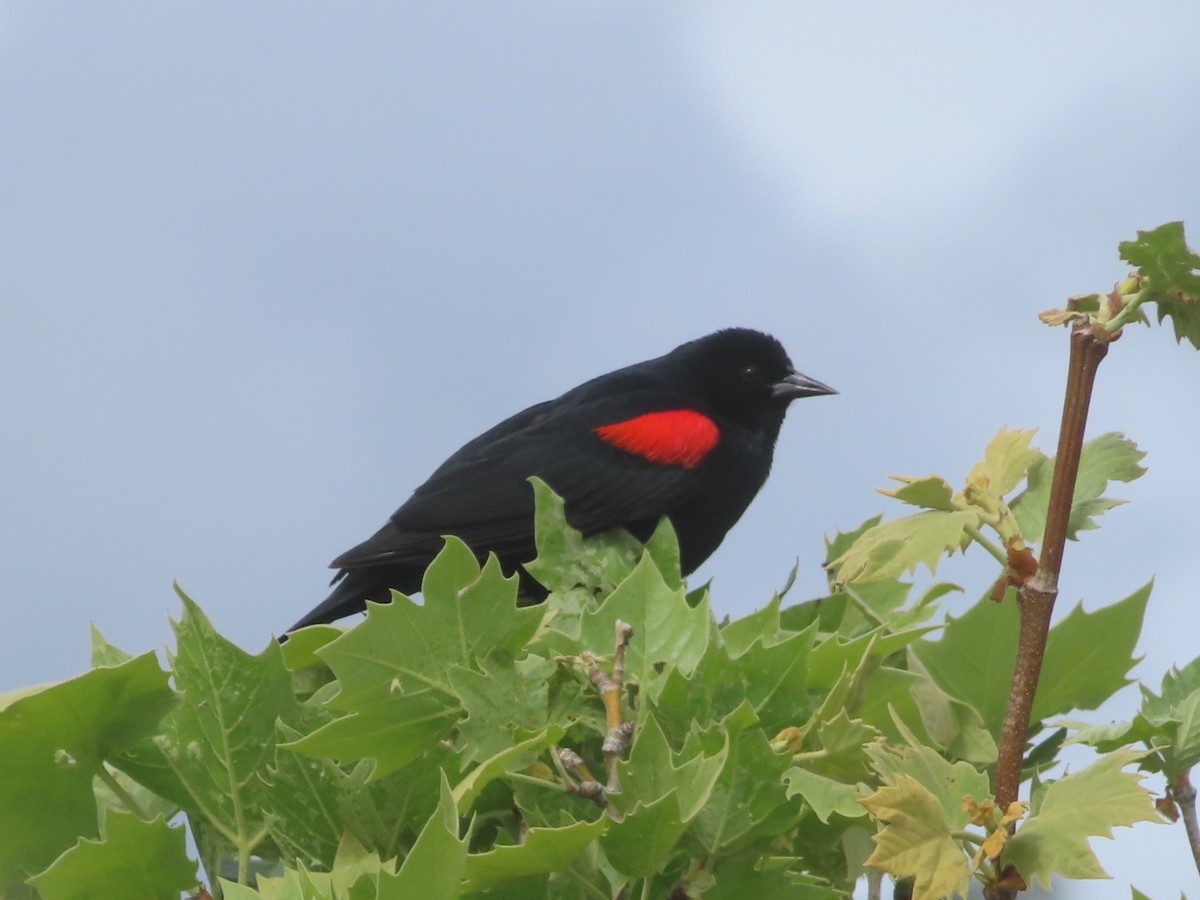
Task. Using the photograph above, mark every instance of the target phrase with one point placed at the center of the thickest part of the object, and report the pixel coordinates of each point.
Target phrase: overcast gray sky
(263, 266)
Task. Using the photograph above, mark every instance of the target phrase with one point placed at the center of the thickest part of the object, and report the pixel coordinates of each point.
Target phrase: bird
(689, 435)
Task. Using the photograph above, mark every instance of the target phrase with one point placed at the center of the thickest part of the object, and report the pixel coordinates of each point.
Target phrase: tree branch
(1035, 598)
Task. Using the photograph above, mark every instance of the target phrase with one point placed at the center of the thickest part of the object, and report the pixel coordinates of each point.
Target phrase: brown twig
(1035, 598)
(1184, 794)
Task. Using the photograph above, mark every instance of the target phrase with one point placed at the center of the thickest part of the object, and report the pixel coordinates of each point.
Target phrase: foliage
(617, 740)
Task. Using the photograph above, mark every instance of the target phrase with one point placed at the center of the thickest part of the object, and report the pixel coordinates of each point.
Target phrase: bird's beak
(797, 385)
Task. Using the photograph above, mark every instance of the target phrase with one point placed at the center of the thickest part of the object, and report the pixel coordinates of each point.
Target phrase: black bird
(689, 435)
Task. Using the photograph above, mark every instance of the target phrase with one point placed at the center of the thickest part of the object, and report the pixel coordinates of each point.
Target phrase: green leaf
(973, 660)
(394, 668)
(653, 771)
(221, 736)
(542, 850)
(772, 679)
(824, 795)
(930, 492)
(518, 756)
(386, 813)
(666, 630)
(640, 844)
(1078, 806)
(948, 783)
(391, 730)
(900, 545)
(832, 656)
(53, 741)
(1088, 656)
(1105, 458)
(1170, 722)
(841, 742)
(1006, 459)
(750, 876)
(916, 840)
(1171, 273)
(436, 864)
(134, 859)
(748, 800)
(303, 799)
(762, 625)
(404, 646)
(505, 701)
(567, 560)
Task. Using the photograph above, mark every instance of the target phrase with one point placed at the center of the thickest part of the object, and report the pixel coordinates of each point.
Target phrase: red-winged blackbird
(689, 435)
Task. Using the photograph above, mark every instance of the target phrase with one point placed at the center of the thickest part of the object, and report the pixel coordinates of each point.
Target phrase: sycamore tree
(617, 740)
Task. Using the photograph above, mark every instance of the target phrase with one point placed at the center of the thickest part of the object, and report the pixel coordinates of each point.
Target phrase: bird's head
(744, 375)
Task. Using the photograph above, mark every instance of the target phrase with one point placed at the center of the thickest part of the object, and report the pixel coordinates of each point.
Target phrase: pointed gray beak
(797, 385)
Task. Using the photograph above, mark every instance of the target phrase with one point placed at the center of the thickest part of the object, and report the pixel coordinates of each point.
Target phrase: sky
(264, 266)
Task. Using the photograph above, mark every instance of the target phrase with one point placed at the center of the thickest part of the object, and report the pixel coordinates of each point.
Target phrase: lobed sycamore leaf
(1105, 458)
(654, 770)
(1005, 460)
(386, 813)
(833, 655)
(667, 631)
(1169, 721)
(639, 845)
(53, 740)
(748, 800)
(900, 545)
(771, 679)
(221, 736)
(505, 702)
(661, 792)
(435, 865)
(930, 492)
(952, 725)
(134, 859)
(1171, 276)
(750, 876)
(541, 851)
(825, 796)
(946, 782)
(762, 625)
(304, 798)
(1089, 655)
(1089, 803)
(842, 743)
(916, 840)
(394, 669)
(511, 758)
(1177, 685)
(567, 560)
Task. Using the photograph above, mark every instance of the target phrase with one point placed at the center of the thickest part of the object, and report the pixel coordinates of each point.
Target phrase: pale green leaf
(1006, 459)
(1105, 458)
(824, 795)
(220, 738)
(900, 545)
(541, 851)
(930, 492)
(916, 840)
(667, 632)
(436, 864)
(133, 859)
(53, 739)
(1089, 803)
(947, 782)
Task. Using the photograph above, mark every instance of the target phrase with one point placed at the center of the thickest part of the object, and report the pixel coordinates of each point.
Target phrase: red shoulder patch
(676, 437)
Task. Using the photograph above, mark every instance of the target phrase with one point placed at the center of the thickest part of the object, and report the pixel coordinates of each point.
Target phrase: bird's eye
(751, 373)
